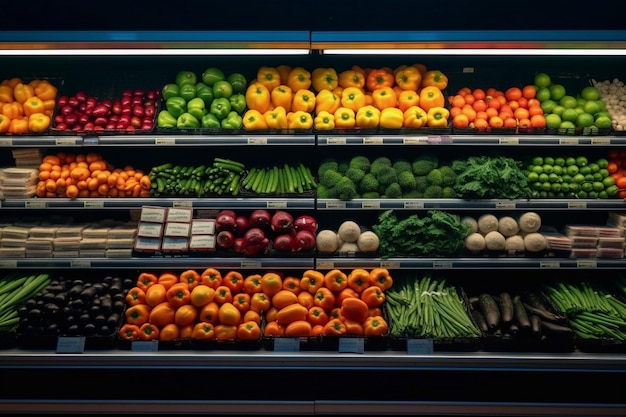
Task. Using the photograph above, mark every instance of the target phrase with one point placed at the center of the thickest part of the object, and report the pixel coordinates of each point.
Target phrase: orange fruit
(491, 111)
(481, 123)
(491, 92)
(457, 101)
(479, 105)
(469, 99)
(513, 93)
(510, 122)
(71, 191)
(523, 102)
(464, 91)
(538, 120)
(535, 110)
(529, 91)
(524, 123)
(479, 94)
(469, 112)
(521, 113)
(494, 103)
(454, 111)
(496, 121)
(460, 121)
(481, 115)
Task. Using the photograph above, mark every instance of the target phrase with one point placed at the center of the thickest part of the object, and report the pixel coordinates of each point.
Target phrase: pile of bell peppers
(26, 107)
(211, 100)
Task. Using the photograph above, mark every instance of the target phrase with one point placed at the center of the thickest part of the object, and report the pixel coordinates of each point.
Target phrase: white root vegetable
(472, 222)
(349, 247)
(487, 223)
(475, 242)
(349, 231)
(508, 226)
(494, 241)
(327, 241)
(535, 242)
(529, 222)
(514, 243)
(368, 241)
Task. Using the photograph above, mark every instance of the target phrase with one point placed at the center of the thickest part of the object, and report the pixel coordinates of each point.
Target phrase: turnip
(349, 231)
(327, 241)
(475, 242)
(487, 223)
(494, 241)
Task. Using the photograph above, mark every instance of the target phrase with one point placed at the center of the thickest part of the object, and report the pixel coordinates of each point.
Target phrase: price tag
(506, 205)
(419, 346)
(276, 204)
(336, 141)
(586, 263)
(549, 264)
(372, 140)
(250, 264)
(442, 264)
(165, 141)
(389, 264)
(509, 141)
(144, 345)
(286, 344)
(91, 140)
(414, 204)
(6, 142)
(80, 263)
(351, 345)
(336, 204)
(66, 141)
(35, 204)
(415, 140)
(70, 344)
(568, 141)
(370, 204)
(437, 140)
(257, 141)
(600, 141)
(182, 204)
(93, 204)
(577, 205)
(8, 264)
(323, 264)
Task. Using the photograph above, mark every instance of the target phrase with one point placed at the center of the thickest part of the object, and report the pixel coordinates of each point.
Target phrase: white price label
(509, 141)
(80, 263)
(257, 141)
(250, 264)
(577, 205)
(336, 141)
(389, 264)
(276, 204)
(66, 141)
(370, 204)
(600, 141)
(586, 263)
(165, 141)
(35, 204)
(322, 264)
(414, 204)
(568, 141)
(372, 140)
(93, 204)
(8, 264)
(336, 204)
(182, 204)
(6, 142)
(415, 140)
(442, 264)
(506, 205)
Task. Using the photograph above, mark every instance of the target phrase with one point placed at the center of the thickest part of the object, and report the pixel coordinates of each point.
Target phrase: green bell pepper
(238, 81)
(176, 106)
(188, 91)
(211, 75)
(210, 121)
(165, 119)
(170, 90)
(232, 121)
(205, 93)
(196, 107)
(220, 107)
(186, 77)
(238, 102)
(187, 120)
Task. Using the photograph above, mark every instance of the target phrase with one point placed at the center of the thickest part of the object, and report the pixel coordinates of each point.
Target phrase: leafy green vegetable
(436, 234)
(490, 177)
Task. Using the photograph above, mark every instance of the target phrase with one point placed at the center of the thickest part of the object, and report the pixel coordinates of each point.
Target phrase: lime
(581, 161)
(580, 102)
(533, 176)
(603, 194)
(555, 187)
(537, 160)
(560, 161)
(589, 178)
(547, 186)
(569, 115)
(558, 109)
(611, 190)
(565, 187)
(554, 177)
(542, 80)
(574, 186)
(553, 121)
(590, 93)
(567, 101)
(586, 186)
(585, 170)
(592, 194)
(548, 160)
(582, 194)
(548, 105)
(537, 169)
(543, 94)
(608, 181)
(557, 91)
(547, 168)
(572, 170)
(598, 186)
(566, 177)
(579, 178)
(567, 127)
(543, 177)
(570, 160)
(603, 122)
(591, 107)
(595, 167)
(597, 176)
(537, 185)
(602, 163)
(604, 172)
(557, 169)
(585, 120)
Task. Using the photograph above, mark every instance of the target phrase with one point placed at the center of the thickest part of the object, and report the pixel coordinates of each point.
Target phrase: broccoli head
(433, 191)
(343, 167)
(448, 192)
(393, 190)
(360, 162)
(434, 177)
(328, 163)
(448, 175)
(386, 175)
(368, 183)
(345, 189)
(424, 163)
(380, 163)
(355, 174)
(421, 182)
(330, 178)
(402, 165)
(406, 179)
(325, 192)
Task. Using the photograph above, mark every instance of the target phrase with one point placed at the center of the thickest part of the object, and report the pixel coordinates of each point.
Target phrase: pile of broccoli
(380, 177)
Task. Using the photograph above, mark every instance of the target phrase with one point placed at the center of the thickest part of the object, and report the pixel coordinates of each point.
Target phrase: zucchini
(490, 310)
(520, 313)
(506, 307)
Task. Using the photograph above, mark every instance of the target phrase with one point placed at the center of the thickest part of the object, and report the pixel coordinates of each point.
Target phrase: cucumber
(505, 303)
(490, 310)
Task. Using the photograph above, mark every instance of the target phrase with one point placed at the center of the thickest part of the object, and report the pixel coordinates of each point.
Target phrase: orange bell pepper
(135, 296)
(191, 277)
(178, 294)
(291, 313)
(375, 326)
(146, 279)
(408, 98)
(283, 298)
(46, 90)
(282, 95)
(203, 331)
(379, 78)
(311, 281)
(233, 280)
(276, 118)
(303, 99)
(335, 327)
(306, 299)
(6, 94)
(260, 302)
(391, 118)
(373, 296)
(208, 313)
(353, 327)
(12, 82)
(22, 92)
(343, 294)
(5, 123)
(430, 97)
(317, 315)
(415, 117)
(324, 79)
(324, 121)
(359, 279)
(299, 120)
(408, 77)
(335, 280)
(223, 294)
(129, 332)
(249, 330)
(169, 333)
(162, 314)
(299, 78)
(327, 100)
(38, 122)
(211, 277)
(13, 110)
(137, 314)
(201, 295)
(18, 125)
(229, 314)
(368, 117)
(384, 97)
(269, 77)
(148, 331)
(254, 120)
(354, 309)
(324, 298)
(283, 71)
(185, 315)
(241, 302)
(381, 278)
(435, 78)
(292, 284)
(299, 328)
(351, 78)
(252, 284)
(258, 97)
(353, 98)
(273, 329)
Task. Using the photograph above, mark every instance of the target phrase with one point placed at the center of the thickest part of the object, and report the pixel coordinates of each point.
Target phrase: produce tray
(485, 131)
(202, 131)
(33, 341)
(178, 344)
(331, 343)
(579, 131)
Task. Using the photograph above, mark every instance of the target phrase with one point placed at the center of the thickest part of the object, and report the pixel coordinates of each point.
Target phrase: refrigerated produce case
(445, 380)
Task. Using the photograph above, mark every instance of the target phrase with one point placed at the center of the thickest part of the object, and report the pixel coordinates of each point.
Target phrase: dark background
(314, 16)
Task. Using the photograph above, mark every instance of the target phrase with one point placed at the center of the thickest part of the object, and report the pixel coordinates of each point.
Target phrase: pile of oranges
(88, 176)
(483, 109)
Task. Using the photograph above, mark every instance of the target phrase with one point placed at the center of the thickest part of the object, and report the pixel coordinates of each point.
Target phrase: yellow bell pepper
(345, 118)
(18, 125)
(258, 97)
(351, 78)
(33, 105)
(6, 94)
(23, 92)
(415, 117)
(38, 122)
(276, 118)
(384, 97)
(5, 122)
(408, 98)
(324, 79)
(435, 78)
(45, 90)
(303, 99)
(283, 71)
(430, 97)
(281, 96)
(299, 79)
(324, 121)
(368, 117)
(352, 98)
(327, 100)
(300, 120)
(254, 120)
(14, 110)
(269, 77)
(391, 118)
(438, 117)
(408, 78)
